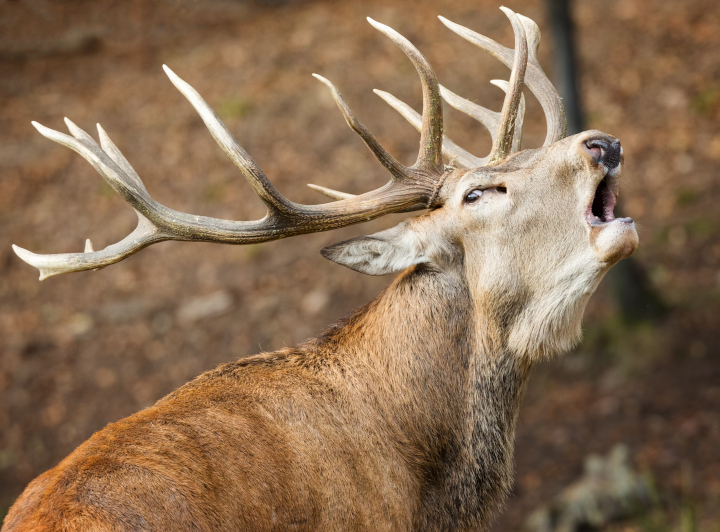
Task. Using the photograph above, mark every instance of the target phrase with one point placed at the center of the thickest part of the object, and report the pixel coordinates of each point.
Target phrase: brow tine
(330, 193)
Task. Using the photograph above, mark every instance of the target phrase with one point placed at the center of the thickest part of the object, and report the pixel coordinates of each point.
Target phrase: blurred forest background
(80, 351)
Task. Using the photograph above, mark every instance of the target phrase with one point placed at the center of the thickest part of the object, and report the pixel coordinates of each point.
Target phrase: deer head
(532, 230)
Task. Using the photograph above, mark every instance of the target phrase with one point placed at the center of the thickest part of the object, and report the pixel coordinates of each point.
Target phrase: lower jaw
(594, 221)
(614, 240)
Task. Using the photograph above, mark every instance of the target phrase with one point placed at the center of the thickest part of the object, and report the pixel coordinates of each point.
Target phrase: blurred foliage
(630, 346)
(233, 107)
(687, 197)
(707, 100)
(701, 226)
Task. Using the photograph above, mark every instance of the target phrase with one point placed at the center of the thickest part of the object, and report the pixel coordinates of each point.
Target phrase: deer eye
(473, 195)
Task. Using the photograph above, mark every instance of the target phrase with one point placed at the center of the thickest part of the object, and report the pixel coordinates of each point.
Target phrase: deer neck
(434, 368)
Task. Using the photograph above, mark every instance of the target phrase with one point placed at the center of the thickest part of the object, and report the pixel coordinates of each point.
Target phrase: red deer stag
(402, 416)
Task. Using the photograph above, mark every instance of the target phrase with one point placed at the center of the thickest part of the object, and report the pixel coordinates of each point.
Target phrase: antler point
(383, 28)
(509, 12)
(44, 131)
(322, 79)
(27, 256)
(172, 75)
(330, 193)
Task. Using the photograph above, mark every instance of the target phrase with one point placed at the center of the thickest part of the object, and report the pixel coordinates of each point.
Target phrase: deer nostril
(609, 154)
(595, 151)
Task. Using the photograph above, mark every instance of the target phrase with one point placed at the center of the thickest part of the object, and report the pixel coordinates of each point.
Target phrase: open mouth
(601, 209)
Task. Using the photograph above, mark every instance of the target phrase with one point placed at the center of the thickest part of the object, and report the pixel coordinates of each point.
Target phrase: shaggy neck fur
(435, 369)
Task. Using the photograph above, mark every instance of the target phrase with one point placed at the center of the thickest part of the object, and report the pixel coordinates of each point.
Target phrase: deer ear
(389, 251)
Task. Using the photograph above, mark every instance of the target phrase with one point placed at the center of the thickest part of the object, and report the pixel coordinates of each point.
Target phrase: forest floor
(82, 350)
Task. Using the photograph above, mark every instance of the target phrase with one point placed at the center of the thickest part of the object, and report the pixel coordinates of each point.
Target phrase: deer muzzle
(612, 238)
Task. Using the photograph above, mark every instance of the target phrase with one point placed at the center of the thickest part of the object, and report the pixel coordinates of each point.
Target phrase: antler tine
(398, 170)
(502, 144)
(431, 132)
(330, 193)
(486, 117)
(237, 154)
(337, 195)
(457, 156)
(83, 144)
(114, 153)
(55, 264)
(535, 78)
(519, 120)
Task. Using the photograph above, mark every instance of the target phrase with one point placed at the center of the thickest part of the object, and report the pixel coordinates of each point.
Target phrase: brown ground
(82, 350)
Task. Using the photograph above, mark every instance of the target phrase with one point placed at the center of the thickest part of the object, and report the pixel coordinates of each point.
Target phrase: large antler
(535, 78)
(506, 126)
(410, 188)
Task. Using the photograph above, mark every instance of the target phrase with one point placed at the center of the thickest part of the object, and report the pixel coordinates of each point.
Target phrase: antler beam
(410, 188)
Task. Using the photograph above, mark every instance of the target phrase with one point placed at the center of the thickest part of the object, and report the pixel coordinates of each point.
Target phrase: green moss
(707, 100)
(233, 108)
(253, 251)
(104, 189)
(662, 236)
(701, 227)
(687, 197)
(214, 191)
